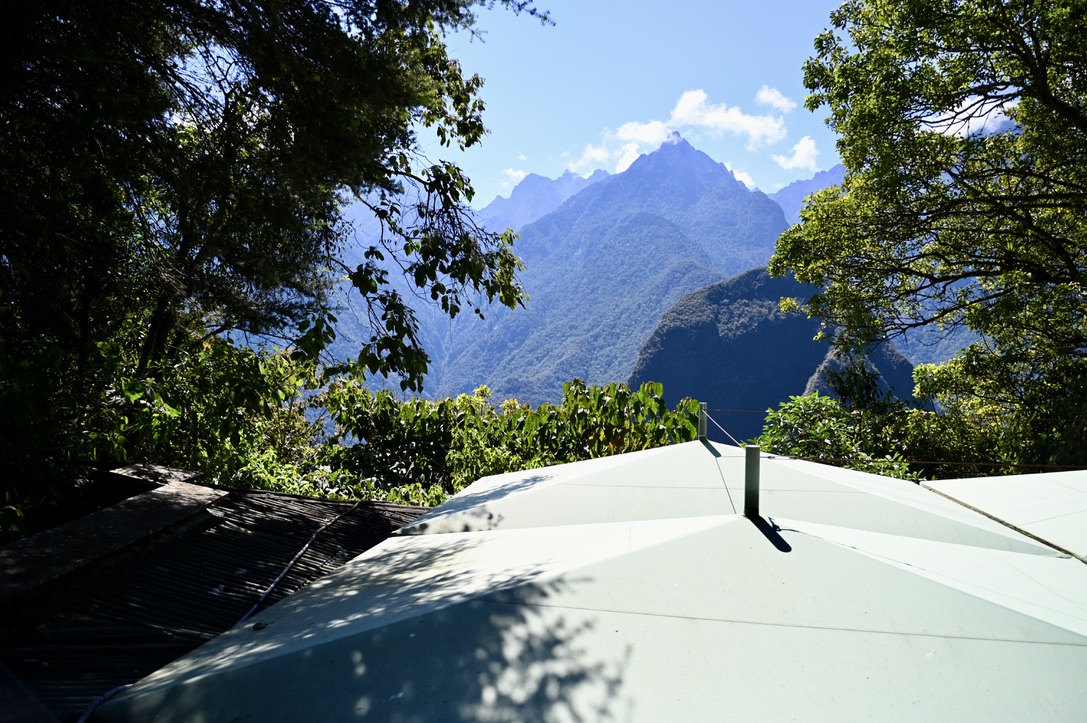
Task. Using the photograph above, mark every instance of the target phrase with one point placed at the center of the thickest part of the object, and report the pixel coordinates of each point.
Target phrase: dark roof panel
(123, 616)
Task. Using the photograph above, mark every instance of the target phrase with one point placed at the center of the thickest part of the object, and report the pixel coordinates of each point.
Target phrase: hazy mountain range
(605, 265)
(644, 274)
(791, 197)
(534, 197)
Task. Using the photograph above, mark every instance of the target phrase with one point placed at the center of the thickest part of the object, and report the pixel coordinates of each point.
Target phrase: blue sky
(612, 78)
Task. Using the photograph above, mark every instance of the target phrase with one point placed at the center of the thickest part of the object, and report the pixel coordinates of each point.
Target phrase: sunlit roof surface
(631, 588)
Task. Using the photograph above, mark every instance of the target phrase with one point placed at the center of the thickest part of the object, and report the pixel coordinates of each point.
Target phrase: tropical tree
(819, 428)
(963, 130)
(421, 451)
(888, 436)
(171, 172)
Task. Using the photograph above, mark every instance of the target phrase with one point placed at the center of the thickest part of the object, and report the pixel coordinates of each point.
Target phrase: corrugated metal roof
(116, 620)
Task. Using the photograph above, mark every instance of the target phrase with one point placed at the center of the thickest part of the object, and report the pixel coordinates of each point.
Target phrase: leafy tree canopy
(196, 155)
(963, 130)
(421, 451)
(173, 171)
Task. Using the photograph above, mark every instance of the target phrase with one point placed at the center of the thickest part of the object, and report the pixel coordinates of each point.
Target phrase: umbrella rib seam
(1007, 524)
(829, 628)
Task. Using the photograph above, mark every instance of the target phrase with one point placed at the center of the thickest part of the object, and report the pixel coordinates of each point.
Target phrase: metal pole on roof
(751, 481)
(703, 425)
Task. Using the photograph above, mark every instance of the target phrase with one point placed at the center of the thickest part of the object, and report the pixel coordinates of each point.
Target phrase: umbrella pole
(751, 481)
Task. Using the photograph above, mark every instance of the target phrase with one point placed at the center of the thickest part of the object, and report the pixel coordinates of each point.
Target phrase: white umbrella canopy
(522, 600)
(702, 478)
(1051, 506)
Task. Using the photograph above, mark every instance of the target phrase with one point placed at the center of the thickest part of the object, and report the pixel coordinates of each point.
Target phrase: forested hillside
(731, 346)
(587, 314)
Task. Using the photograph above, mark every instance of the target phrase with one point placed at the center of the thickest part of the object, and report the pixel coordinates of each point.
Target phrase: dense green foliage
(963, 130)
(897, 440)
(818, 428)
(862, 427)
(420, 451)
(172, 172)
(373, 445)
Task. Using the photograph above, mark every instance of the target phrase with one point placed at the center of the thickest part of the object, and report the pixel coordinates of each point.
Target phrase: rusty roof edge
(35, 560)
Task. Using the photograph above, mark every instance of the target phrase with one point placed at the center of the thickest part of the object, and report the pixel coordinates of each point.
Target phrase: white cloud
(692, 113)
(629, 154)
(652, 133)
(775, 99)
(591, 158)
(512, 176)
(803, 157)
(522, 157)
(742, 176)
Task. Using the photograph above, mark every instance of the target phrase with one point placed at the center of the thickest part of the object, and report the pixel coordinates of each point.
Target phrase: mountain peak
(675, 139)
(676, 144)
(677, 158)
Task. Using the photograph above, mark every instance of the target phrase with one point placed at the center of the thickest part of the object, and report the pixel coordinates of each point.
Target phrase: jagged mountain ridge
(791, 197)
(533, 198)
(607, 256)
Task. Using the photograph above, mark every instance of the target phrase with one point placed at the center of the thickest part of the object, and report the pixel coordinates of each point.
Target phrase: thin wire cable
(1063, 420)
(738, 444)
(898, 413)
(739, 411)
(950, 463)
